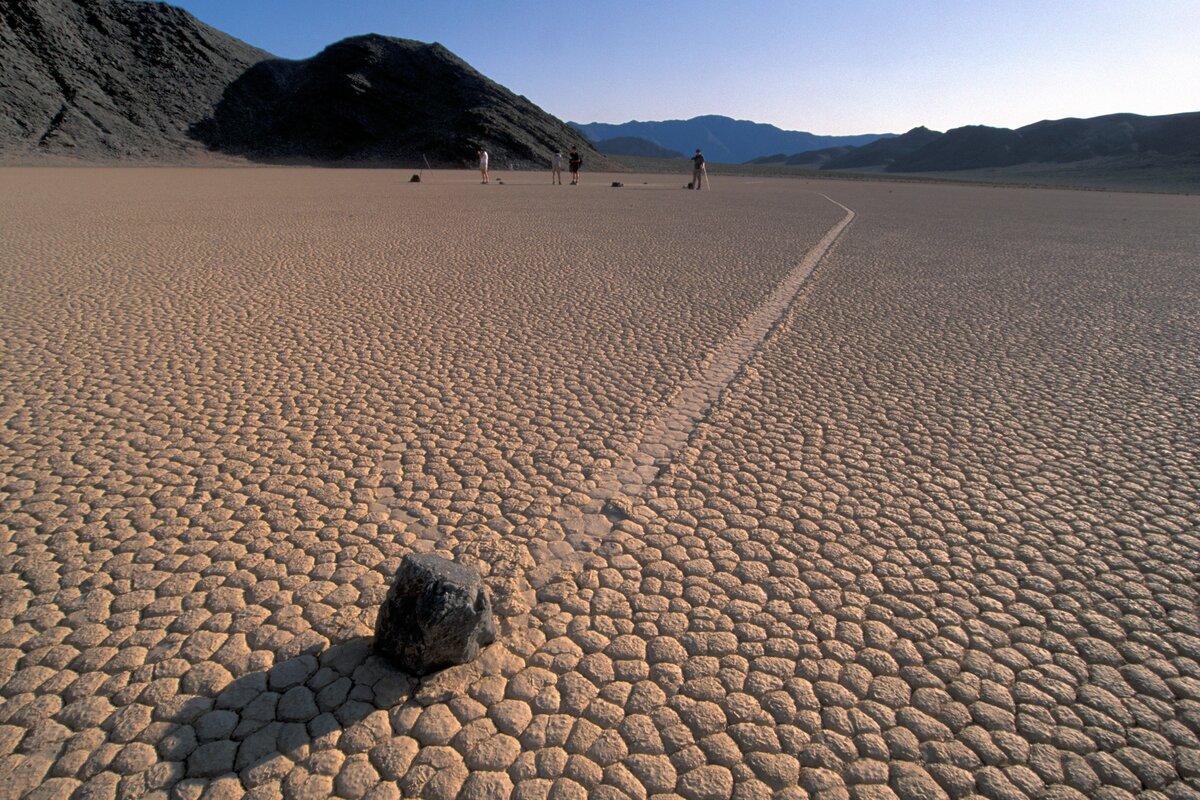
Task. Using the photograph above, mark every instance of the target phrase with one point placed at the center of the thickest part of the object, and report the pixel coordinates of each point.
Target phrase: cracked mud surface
(929, 531)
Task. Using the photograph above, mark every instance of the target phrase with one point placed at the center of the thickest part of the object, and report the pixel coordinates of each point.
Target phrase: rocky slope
(1059, 141)
(810, 159)
(884, 151)
(124, 80)
(374, 98)
(109, 79)
(1129, 139)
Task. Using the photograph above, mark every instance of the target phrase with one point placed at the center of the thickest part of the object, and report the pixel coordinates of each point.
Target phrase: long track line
(660, 445)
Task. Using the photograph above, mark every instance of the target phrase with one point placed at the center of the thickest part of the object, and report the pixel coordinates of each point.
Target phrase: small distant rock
(617, 184)
(436, 614)
(618, 508)
(415, 179)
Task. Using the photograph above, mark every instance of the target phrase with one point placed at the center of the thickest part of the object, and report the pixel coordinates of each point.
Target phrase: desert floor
(818, 489)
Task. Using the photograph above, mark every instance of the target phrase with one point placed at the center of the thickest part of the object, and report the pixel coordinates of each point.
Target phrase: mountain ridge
(368, 99)
(1060, 141)
(973, 147)
(129, 81)
(133, 81)
(635, 146)
(723, 139)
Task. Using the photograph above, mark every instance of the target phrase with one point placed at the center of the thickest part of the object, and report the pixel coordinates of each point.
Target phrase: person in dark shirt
(699, 173)
(574, 161)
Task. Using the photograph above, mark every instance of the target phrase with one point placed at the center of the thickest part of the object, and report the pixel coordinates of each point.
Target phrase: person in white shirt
(556, 163)
(483, 163)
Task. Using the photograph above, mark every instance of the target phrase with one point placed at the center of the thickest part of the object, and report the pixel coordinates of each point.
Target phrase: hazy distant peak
(1058, 141)
(723, 139)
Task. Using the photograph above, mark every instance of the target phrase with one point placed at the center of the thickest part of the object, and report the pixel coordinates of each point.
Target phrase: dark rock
(617, 184)
(415, 179)
(617, 508)
(436, 614)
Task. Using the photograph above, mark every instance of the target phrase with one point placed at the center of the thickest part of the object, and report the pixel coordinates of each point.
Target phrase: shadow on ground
(260, 725)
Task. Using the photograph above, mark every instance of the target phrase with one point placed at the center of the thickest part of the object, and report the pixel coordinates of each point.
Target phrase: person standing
(556, 163)
(574, 161)
(483, 163)
(699, 173)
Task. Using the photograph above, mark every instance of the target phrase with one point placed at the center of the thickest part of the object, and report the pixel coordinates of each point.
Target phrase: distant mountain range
(122, 80)
(880, 151)
(722, 139)
(635, 146)
(131, 81)
(980, 147)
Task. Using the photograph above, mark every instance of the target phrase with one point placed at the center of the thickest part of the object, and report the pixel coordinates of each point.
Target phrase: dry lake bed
(796, 489)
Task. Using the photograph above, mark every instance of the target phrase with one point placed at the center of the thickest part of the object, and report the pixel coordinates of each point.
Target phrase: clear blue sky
(825, 66)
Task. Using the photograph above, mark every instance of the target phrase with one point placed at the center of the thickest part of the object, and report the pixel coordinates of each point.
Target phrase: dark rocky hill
(726, 140)
(1115, 139)
(109, 79)
(373, 99)
(635, 146)
(883, 151)
(876, 154)
(809, 159)
(1060, 141)
(963, 148)
(126, 80)
(774, 158)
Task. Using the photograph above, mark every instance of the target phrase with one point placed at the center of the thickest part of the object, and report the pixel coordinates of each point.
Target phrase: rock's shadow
(262, 724)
